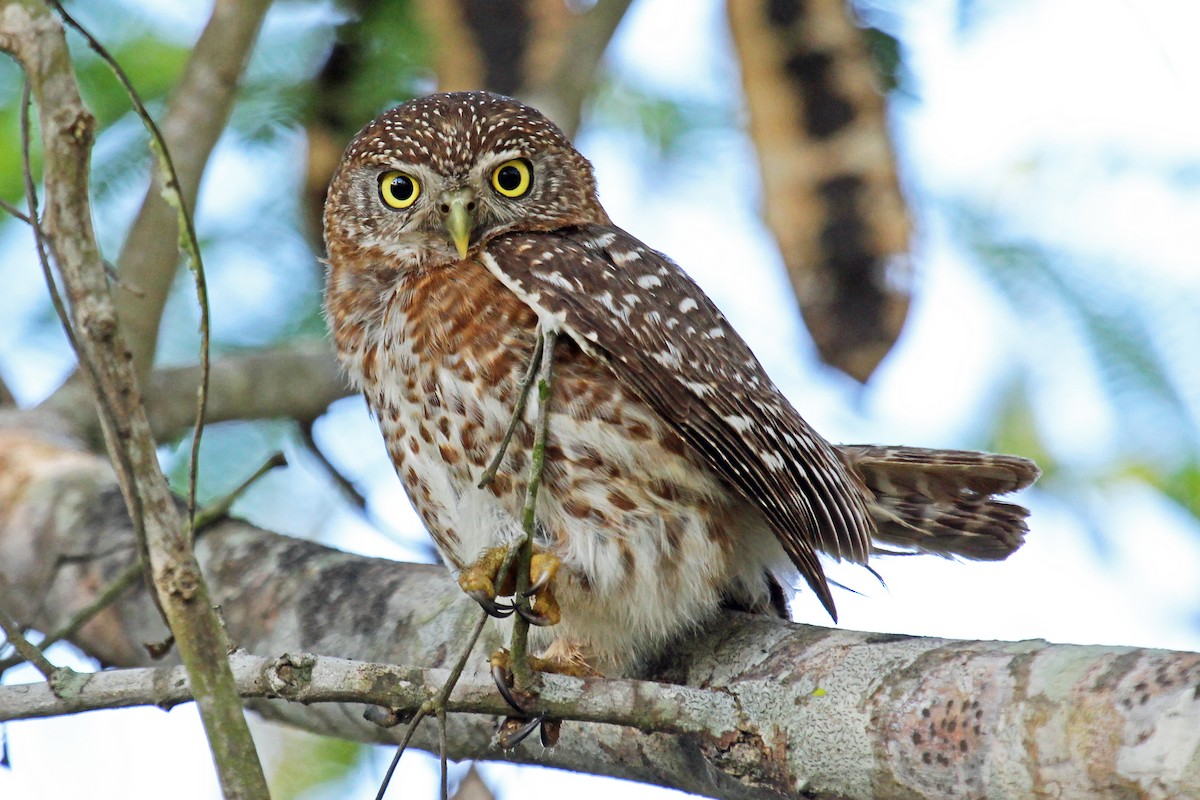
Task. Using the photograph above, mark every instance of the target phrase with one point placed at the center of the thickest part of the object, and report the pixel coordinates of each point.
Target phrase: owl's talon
(480, 582)
(494, 608)
(540, 619)
(543, 568)
(514, 730)
(544, 610)
(502, 677)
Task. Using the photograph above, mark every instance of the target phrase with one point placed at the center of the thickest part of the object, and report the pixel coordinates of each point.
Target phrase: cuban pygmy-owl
(677, 477)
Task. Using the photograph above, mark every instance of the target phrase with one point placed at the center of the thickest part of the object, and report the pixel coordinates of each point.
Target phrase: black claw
(494, 608)
(538, 585)
(514, 730)
(500, 676)
(532, 617)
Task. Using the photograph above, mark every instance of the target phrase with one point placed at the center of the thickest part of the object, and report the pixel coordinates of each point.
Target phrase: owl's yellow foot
(479, 580)
(502, 674)
(514, 729)
(543, 608)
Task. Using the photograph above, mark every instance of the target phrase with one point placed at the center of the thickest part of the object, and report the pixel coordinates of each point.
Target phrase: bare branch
(196, 115)
(518, 656)
(309, 678)
(755, 708)
(294, 381)
(349, 491)
(437, 703)
(297, 381)
(9, 208)
(187, 242)
(36, 40)
(25, 649)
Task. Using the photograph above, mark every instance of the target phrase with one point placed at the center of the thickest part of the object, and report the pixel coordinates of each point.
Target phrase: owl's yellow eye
(398, 190)
(512, 178)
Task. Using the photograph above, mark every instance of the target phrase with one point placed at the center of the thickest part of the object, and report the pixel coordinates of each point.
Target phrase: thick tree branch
(781, 709)
(36, 40)
(294, 381)
(195, 118)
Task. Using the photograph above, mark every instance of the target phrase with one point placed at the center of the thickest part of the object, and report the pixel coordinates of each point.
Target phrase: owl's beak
(459, 208)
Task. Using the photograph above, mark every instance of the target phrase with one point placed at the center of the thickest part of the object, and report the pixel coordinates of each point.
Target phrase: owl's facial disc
(458, 213)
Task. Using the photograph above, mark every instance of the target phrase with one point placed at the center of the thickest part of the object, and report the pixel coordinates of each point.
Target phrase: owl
(677, 478)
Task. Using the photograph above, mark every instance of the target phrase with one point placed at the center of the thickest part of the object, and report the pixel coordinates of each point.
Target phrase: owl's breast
(635, 516)
(438, 354)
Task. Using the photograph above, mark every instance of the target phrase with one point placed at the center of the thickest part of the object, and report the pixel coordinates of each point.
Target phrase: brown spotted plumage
(677, 476)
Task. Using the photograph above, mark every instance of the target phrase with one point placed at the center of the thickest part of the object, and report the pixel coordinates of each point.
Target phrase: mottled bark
(752, 708)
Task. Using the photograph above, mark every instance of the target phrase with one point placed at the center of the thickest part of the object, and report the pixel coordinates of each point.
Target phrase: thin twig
(103, 402)
(518, 650)
(489, 474)
(14, 211)
(69, 331)
(434, 704)
(25, 649)
(349, 491)
(400, 748)
(540, 364)
(220, 507)
(188, 242)
(39, 236)
(347, 486)
(442, 747)
(127, 578)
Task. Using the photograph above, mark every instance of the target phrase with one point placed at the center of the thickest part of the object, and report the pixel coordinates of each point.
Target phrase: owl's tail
(943, 501)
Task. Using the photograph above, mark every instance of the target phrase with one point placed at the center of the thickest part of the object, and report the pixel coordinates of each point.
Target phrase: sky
(1077, 123)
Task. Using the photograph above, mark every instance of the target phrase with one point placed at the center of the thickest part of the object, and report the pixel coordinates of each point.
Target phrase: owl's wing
(663, 338)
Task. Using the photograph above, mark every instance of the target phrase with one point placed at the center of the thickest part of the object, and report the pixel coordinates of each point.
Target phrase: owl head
(429, 181)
